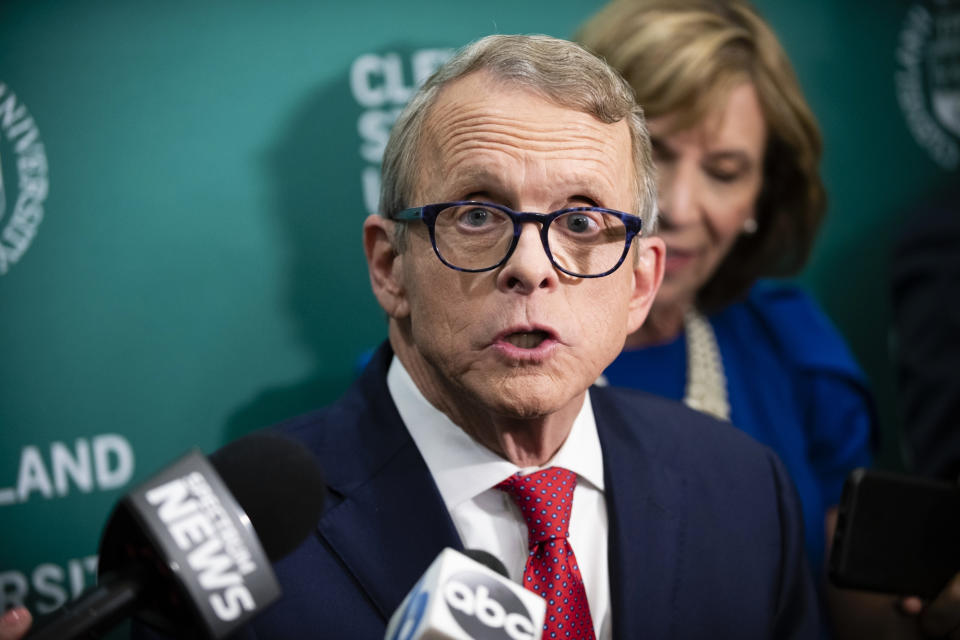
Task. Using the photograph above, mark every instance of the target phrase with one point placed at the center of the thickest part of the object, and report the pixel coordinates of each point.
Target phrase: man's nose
(528, 268)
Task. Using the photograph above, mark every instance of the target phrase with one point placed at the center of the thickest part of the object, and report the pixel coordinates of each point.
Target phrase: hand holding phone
(896, 534)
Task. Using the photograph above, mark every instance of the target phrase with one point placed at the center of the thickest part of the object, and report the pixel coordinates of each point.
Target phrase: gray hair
(561, 71)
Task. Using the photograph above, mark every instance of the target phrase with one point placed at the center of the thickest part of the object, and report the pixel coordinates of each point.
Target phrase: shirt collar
(461, 467)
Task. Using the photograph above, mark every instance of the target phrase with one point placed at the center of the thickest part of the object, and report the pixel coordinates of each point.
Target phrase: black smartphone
(896, 533)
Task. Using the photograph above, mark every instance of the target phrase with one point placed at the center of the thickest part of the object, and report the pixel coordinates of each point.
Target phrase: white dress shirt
(487, 518)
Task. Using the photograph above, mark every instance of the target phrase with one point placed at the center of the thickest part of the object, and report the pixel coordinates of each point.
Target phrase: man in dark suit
(499, 323)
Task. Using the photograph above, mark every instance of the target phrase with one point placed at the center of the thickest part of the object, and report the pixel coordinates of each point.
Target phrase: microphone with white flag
(467, 596)
(189, 549)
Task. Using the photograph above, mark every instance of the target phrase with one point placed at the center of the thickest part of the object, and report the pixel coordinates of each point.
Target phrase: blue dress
(792, 384)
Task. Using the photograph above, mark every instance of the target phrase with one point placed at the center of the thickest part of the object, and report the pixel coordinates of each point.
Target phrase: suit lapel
(645, 503)
(389, 530)
(390, 522)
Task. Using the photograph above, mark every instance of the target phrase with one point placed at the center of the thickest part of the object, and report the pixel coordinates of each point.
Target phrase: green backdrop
(183, 190)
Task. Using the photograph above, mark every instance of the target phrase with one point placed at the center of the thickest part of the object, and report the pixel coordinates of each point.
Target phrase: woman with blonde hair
(740, 199)
(737, 150)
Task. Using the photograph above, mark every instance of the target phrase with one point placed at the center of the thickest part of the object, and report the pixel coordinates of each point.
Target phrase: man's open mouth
(527, 339)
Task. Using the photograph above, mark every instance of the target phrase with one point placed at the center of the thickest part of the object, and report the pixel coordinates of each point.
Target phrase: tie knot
(544, 498)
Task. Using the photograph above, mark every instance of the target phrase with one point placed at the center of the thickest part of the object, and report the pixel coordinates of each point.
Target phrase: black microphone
(488, 560)
(189, 550)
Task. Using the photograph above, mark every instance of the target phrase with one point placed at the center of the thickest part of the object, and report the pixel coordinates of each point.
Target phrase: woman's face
(709, 178)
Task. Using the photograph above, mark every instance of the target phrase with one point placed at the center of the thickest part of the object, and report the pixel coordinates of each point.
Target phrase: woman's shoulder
(799, 330)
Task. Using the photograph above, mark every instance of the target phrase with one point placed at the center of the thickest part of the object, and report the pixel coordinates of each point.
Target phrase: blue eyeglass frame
(429, 212)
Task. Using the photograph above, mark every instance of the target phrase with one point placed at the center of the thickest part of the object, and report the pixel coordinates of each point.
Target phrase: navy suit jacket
(705, 530)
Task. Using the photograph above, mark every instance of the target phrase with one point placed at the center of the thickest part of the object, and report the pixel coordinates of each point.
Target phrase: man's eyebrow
(474, 179)
(483, 183)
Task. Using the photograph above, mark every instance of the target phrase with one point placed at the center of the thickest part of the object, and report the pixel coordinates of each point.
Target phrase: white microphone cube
(460, 599)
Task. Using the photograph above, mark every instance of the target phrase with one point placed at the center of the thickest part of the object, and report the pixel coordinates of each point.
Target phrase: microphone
(467, 596)
(190, 549)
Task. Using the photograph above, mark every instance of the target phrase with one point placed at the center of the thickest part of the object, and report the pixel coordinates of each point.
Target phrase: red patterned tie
(545, 499)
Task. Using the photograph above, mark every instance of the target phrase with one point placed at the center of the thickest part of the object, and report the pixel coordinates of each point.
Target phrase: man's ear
(647, 276)
(384, 265)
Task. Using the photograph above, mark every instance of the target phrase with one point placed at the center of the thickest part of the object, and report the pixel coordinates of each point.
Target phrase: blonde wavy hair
(682, 58)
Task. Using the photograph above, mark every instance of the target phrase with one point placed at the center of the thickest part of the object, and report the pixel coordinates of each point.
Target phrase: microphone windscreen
(278, 484)
(488, 560)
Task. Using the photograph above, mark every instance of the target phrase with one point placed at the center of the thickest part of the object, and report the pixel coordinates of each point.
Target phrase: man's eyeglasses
(586, 242)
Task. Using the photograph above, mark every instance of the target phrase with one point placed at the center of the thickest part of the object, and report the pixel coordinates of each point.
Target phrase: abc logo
(486, 609)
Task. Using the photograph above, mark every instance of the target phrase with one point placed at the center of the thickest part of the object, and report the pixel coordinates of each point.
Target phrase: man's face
(523, 340)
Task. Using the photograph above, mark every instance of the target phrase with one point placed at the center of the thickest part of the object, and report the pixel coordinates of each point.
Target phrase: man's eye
(476, 217)
(579, 223)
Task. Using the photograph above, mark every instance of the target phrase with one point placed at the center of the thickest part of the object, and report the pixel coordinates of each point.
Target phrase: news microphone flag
(206, 539)
(189, 550)
(460, 599)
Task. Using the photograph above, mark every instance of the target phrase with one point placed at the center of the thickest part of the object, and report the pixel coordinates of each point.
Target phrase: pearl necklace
(706, 389)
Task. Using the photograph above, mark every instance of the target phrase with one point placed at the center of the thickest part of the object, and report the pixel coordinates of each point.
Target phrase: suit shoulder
(354, 436)
(320, 427)
(672, 429)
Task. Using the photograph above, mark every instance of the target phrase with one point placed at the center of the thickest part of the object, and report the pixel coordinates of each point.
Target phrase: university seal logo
(23, 179)
(928, 78)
